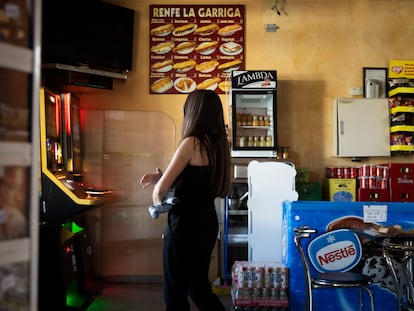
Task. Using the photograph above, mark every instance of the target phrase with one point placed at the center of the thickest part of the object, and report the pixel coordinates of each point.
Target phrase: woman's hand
(150, 179)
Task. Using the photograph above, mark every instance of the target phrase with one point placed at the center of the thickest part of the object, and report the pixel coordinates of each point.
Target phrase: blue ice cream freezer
(326, 216)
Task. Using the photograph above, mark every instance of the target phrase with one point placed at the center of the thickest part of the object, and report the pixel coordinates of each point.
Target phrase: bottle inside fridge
(254, 121)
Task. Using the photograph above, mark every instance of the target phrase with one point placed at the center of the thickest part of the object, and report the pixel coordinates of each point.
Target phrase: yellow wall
(318, 51)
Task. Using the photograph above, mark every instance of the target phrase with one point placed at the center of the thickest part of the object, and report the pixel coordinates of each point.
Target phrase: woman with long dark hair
(200, 172)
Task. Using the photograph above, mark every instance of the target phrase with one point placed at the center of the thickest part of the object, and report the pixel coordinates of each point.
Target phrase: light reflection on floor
(136, 297)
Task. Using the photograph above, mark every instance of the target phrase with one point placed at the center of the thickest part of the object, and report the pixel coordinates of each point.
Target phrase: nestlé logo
(335, 251)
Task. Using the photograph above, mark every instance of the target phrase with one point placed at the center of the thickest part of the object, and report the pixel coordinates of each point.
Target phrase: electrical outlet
(271, 27)
(355, 91)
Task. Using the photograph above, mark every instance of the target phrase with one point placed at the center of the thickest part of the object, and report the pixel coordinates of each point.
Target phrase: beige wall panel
(120, 146)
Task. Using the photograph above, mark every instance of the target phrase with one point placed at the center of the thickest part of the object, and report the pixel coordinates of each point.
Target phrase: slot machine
(64, 250)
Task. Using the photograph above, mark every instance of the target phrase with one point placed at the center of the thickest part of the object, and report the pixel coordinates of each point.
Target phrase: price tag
(375, 213)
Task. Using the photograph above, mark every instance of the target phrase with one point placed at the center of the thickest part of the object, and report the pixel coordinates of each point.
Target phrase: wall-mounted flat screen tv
(89, 33)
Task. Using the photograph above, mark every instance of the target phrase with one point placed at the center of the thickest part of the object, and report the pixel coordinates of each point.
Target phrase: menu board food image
(195, 47)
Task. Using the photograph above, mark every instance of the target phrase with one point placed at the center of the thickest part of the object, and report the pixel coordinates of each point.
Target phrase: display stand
(401, 102)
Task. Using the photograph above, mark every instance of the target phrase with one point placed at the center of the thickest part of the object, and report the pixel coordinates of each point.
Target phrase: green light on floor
(75, 301)
(99, 305)
(73, 297)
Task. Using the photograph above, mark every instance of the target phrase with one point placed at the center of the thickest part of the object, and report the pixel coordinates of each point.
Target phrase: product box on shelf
(342, 189)
(373, 195)
(373, 177)
(402, 193)
(260, 284)
(302, 174)
(401, 181)
(401, 173)
(309, 191)
(14, 27)
(373, 183)
(401, 69)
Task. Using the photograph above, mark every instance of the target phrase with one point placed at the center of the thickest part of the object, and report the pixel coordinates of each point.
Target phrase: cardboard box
(309, 191)
(342, 189)
(374, 195)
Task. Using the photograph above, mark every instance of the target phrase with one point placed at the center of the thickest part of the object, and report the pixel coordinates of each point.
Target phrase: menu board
(195, 47)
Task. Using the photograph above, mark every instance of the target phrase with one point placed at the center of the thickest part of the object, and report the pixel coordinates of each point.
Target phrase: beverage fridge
(253, 106)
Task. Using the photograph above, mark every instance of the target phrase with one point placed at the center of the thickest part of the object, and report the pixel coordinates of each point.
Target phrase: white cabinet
(361, 127)
(19, 154)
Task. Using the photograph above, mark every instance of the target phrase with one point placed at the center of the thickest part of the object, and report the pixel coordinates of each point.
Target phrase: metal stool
(405, 287)
(328, 279)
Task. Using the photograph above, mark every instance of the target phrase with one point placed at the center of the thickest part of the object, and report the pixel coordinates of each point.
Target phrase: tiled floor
(136, 297)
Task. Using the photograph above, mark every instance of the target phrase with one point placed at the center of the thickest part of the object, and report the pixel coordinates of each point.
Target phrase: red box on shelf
(402, 193)
(400, 182)
(374, 195)
(401, 172)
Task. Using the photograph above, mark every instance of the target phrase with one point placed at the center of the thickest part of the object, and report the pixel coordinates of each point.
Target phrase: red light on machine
(66, 102)
(67, 249)
(55, 100)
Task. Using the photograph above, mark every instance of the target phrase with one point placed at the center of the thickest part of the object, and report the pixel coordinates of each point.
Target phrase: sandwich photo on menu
(229, 30)
(207, 30)
(162, 85)
(184, 48)
(206, 48)
(230, 66)
(163, 66)
(163, 30)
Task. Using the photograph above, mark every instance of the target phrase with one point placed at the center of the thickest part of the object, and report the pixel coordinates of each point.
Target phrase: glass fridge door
(254, 123)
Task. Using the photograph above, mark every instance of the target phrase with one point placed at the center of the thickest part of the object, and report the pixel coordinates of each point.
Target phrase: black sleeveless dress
(189, 239)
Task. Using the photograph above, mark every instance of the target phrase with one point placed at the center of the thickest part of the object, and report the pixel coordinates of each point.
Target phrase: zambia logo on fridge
(335, 251)
(254, 79)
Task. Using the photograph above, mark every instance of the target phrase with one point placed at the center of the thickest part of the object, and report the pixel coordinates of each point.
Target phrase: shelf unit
(235, 244)
(19, 154)
(402, 119)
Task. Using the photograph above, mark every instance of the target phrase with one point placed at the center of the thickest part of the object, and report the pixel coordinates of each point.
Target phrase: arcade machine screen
(72, 135)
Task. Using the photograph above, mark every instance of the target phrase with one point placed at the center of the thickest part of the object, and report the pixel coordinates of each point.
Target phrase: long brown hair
(203, 119)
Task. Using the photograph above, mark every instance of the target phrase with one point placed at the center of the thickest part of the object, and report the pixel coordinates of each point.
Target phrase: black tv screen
(89, 33)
